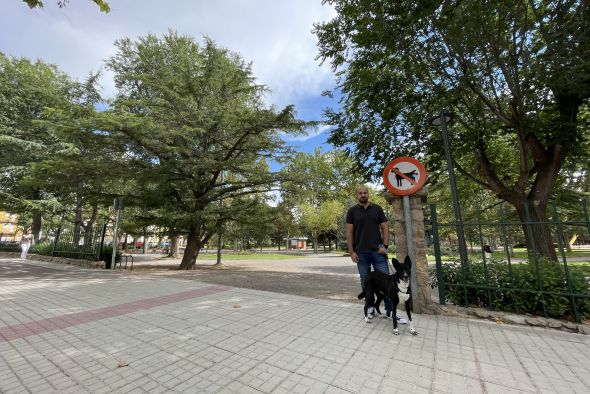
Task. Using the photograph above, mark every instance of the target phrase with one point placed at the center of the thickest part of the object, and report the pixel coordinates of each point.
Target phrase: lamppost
(441, 120)
(219, 227)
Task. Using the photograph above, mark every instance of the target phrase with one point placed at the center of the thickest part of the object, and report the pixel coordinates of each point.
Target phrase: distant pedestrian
(367, 236)
(487, 253)
(25, 243)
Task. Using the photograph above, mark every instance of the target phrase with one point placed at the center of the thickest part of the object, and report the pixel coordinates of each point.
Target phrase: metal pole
(219, 227)
(454, 196)
(436, 240)
(410, 246)
(115, 241)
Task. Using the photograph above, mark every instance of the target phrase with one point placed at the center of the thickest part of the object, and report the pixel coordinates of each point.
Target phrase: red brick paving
(18, 331)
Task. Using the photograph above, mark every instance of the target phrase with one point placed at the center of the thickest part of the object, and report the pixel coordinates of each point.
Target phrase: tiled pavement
(70, 330)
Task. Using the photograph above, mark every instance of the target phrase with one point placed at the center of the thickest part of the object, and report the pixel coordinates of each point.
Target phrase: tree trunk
(174, 246)
(145, 244)
(77, 223)
(536, 229)
(315, 244)
(89, 227)
(160, 237)
(194, 243)
(36, 225)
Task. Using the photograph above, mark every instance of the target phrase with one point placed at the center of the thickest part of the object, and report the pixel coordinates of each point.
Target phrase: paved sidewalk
(71, 330)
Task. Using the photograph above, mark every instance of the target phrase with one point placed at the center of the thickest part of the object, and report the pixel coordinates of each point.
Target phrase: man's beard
(363, 200)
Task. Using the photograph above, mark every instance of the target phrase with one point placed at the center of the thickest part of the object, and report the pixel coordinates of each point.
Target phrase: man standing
(367, 236)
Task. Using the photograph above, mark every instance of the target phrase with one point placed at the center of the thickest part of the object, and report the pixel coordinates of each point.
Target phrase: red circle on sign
(401, 176)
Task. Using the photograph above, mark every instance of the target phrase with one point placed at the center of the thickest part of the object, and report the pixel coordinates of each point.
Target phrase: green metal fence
(512, 280)
(82, 243)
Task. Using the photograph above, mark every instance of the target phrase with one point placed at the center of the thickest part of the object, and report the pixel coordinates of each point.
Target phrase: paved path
(70, 330)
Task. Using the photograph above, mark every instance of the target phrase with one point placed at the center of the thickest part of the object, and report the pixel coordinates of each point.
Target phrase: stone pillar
(417, 202)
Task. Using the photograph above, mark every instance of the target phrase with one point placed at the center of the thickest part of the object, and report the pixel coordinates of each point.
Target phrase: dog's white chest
(403, 292)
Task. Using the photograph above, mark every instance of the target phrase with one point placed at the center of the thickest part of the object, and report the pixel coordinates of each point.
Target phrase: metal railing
(506, 280)
(79, 243)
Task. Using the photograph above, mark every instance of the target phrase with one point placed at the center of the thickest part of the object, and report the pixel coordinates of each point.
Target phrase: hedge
(524, 276)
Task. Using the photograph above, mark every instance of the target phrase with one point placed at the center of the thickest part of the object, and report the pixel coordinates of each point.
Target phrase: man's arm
(353, 256)
(384, 236)
(385, 233)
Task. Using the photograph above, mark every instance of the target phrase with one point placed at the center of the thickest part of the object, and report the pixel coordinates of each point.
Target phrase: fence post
(436, 240)
(535, 257)
(568, 279)
(485, 264)
(104, 230)
(507, 251)
(586, 217)
(56, 240)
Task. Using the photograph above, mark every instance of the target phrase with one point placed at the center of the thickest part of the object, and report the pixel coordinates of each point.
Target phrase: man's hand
(382, 250)
(354, 257)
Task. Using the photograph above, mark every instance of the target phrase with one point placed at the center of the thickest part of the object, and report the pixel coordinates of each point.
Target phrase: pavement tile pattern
(65, 329)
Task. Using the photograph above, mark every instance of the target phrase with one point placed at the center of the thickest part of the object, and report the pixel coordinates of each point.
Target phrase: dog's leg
(409, 313)
(394, 301)
(378, 302)
(369, 298)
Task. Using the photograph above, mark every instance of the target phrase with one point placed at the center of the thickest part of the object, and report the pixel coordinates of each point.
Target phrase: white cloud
(310, 134)
(275, 35)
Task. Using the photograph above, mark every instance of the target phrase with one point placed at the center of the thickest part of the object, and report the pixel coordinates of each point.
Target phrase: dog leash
(391, 269)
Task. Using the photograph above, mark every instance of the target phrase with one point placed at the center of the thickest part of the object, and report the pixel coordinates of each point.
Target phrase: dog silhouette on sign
(398, 178)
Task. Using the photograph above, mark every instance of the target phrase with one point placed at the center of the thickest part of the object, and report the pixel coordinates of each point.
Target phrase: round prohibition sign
(404, 176)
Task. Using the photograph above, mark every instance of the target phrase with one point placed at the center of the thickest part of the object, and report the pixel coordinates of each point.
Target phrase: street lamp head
(438, 119)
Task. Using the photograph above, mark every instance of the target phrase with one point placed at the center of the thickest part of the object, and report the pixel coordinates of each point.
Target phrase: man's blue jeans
(379, 263)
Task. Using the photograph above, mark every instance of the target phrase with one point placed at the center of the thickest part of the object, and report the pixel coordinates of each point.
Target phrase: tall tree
(320, 219)
(319, 177)
(514, 73)
(88, 171)
(188, 113)
(26, 89)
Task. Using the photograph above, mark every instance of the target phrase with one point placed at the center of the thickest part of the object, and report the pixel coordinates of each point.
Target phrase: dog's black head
(402, 271)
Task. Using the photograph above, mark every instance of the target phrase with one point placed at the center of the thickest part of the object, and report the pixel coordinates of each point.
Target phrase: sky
(275, 35)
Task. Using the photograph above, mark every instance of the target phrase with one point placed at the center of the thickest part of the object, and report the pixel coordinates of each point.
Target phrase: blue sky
(275, 35)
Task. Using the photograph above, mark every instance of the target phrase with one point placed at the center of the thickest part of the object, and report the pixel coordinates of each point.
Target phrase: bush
(10, 247)
(499, 293)
(43, 248)
(46, 249)
(106, 254)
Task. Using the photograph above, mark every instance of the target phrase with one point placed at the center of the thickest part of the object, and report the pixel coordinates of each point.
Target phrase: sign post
(405, 176)
(118, 208)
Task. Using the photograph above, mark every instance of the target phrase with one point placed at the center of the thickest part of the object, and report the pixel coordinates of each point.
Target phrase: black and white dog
(396, 287)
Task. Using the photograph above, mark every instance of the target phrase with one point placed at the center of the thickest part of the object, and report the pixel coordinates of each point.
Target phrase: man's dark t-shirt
(366, 233)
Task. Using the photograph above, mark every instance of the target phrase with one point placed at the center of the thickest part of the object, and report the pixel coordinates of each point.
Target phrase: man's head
(362, 194)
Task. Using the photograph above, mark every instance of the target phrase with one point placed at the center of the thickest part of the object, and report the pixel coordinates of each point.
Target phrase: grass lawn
(579, 268)
(249, 256)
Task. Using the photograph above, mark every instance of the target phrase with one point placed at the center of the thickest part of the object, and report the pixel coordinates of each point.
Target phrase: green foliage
(103, 5)
(515, 74)
(319, 177)
(26, 89)
(193, 124)
(43, 248)
(501, 279)
(46, 249)
(9, 247)
(106, 254)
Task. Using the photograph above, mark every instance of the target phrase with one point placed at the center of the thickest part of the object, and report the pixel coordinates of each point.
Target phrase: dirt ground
(323, 276)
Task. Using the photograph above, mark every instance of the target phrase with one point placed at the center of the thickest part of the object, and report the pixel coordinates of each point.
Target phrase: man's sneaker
(400, 319)
(371, 312)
